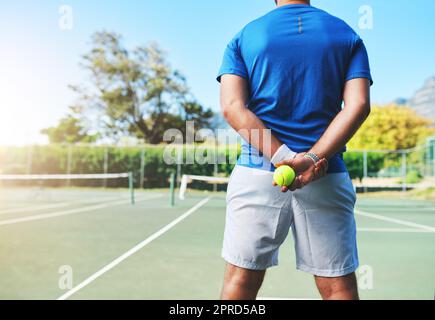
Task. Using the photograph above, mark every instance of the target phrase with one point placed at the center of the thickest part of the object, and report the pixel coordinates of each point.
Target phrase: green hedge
(355, 163)
(53, 159)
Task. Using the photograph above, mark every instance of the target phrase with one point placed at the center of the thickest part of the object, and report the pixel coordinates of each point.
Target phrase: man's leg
(340, 288)
(258, 220)
(325, 235)
(241, 284)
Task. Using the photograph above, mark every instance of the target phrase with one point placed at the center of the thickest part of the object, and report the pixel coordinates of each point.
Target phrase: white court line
(406, 209)
(35, 208)
(394, 230)
(398, 221)
(133, 250)
(72, 211)
(273, 298)
(28, 208)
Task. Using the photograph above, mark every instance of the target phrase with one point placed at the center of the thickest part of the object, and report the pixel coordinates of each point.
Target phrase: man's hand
(306, 171)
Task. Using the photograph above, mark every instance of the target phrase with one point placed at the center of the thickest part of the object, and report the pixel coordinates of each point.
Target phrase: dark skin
(241, 283)
(306, 171)
(234, 95)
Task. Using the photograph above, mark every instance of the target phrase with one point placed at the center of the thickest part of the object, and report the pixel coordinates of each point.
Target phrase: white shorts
(321, 216)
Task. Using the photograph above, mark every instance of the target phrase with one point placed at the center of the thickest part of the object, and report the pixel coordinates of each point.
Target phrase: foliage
(413, 176)
(53, 159)
(391, 127)
(86, 159)
(135, 92)
(355, 160)
(69, 130)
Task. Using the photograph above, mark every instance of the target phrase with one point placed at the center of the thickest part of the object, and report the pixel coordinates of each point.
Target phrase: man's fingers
(297, 184)
(325, 171)
(308, 177)
(321, 169)
(285, 163)
(313, 173)
(321, 164)
(319, 172)
(324, 164)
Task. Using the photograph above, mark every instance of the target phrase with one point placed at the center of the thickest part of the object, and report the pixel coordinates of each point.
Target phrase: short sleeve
(359, 66)
(233, 61)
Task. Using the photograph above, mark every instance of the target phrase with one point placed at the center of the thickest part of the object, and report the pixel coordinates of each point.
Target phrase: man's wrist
(282, 154)
(312, 156)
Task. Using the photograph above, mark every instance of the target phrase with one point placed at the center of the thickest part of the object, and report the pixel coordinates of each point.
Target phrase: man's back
(290, 71)
(296, 59)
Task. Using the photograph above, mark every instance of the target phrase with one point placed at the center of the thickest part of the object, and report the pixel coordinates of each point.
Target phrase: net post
(216, 166)
(69, 163)
(172, 190)
(428, 167)
(180, 157)
(105, 165)
(433, 160)
(142, 168)
(365, 170)
(131, 187)
(404, 169)
(29, 159)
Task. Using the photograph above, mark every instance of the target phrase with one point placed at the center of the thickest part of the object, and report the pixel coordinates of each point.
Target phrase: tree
(69, 130)
(391, 127)
(136, 92)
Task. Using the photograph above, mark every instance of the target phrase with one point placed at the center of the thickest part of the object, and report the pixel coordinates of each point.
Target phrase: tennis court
(150, 250)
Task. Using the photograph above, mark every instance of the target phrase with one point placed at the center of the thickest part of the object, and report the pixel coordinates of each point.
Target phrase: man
(284, 79)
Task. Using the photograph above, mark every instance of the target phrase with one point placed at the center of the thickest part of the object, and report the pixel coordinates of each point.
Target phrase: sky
(40, 55)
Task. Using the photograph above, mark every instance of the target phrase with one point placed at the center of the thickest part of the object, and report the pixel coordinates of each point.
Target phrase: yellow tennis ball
(284, 176)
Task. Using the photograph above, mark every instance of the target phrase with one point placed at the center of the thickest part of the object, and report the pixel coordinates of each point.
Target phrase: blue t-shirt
(296, 59)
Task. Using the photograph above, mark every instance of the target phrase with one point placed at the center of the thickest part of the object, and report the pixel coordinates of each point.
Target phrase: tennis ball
(284, 176)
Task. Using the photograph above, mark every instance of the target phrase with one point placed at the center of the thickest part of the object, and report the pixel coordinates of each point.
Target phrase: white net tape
(186, 179)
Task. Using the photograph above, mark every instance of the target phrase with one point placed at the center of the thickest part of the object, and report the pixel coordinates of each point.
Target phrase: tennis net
(211, 180)
(65, 181)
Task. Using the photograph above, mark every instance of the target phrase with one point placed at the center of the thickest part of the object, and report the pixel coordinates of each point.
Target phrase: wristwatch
(312, 156)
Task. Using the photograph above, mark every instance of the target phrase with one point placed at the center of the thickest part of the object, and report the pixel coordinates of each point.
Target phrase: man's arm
(234, 96)
(356, 110)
